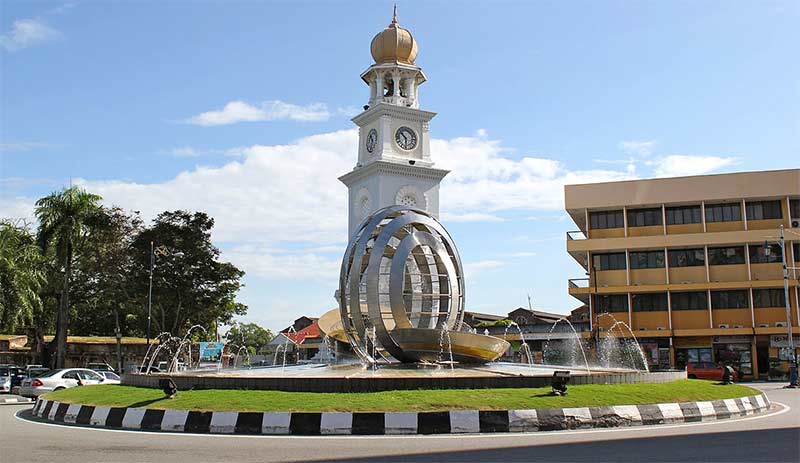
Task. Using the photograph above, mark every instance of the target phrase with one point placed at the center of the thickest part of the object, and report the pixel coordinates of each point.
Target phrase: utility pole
(793, 356)
(150, 294)
(792, 353)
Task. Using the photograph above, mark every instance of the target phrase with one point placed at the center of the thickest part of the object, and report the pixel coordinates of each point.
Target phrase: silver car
(55, 380)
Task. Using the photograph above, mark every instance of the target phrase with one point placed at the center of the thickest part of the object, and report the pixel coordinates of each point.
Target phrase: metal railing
(578, 282)
(575, 235)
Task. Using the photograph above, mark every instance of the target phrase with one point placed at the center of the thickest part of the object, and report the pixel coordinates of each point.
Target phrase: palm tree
(65, 217)
(21, 275)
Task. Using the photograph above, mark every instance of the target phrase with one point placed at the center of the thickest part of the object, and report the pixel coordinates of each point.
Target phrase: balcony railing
(575, 235)
(578, 282)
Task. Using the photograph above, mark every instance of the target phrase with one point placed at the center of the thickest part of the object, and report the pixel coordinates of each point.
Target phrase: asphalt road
(763, 438)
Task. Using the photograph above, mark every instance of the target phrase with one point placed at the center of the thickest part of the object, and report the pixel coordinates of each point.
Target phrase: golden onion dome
(394, 44)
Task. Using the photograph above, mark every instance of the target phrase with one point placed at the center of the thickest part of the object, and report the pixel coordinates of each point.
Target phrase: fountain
(524, 349)
(575, 338)
(401, 309)
(612, 348)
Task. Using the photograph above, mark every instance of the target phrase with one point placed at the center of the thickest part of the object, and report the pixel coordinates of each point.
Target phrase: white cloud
(18, 207)
(275, 264)
(22, 146)
(240, 111)
(679, 165)
(26, 33)
(641, 148)
(484, 180)
(473, 269)
(281, 213)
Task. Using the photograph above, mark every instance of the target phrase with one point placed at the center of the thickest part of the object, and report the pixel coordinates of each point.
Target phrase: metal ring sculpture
(401, 270)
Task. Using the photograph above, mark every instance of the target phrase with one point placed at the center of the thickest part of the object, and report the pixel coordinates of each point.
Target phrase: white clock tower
(394, 160)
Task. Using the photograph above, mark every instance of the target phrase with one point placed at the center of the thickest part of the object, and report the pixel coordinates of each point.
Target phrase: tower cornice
(400, 112)
(393, 168)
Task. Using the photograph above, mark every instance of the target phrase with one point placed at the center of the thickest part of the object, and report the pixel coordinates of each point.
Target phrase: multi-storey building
(682, 261)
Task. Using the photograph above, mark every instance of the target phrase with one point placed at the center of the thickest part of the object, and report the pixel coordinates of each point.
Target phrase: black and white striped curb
(456, 421)
(15, 400)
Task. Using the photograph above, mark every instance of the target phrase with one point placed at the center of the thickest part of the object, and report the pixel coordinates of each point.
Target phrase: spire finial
(394, 16)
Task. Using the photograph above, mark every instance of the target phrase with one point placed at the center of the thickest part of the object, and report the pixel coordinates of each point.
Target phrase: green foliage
(594, 395)
(21, 276)
(190, 285)
(250, 335)
(102, 289)
(65, 219)
(504, 322)
(86, 272)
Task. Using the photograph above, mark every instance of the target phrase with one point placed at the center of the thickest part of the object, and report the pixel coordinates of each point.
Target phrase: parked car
(5, 378)
(100, 367)
(152, 370)
(11, 377)
(707, 370)
(31, 371)
(55, 380)
(109, 377)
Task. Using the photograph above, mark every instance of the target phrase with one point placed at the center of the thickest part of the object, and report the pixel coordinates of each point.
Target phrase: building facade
(394, 161)
(691, 265)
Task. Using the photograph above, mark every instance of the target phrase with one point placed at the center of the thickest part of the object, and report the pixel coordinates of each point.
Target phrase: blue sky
(242, 109)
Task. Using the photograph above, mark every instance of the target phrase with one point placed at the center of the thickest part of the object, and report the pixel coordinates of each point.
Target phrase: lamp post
(792, 353)
(150, 293)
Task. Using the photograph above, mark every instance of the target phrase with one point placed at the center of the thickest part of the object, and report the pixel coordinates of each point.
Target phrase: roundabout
(769, 436)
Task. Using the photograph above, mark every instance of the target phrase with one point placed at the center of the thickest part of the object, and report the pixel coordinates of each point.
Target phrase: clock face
(405, 138)
(372, 140)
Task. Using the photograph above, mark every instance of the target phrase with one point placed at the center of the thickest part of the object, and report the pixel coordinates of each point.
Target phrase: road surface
(762, 438)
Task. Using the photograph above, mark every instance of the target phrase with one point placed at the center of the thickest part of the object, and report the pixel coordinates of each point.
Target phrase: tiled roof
(311, 331)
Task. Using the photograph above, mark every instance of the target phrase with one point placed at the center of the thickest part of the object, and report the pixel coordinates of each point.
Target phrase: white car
(55, 380)
(109, 377)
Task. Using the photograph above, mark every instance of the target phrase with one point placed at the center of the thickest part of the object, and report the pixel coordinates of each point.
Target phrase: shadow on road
(773, 445)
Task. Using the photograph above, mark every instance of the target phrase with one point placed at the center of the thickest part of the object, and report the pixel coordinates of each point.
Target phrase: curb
(15, 401)
(391, 423)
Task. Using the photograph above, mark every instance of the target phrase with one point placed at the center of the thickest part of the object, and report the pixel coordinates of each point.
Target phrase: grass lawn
(419, 400)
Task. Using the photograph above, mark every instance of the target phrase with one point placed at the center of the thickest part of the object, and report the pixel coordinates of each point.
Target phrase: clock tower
(394, 160)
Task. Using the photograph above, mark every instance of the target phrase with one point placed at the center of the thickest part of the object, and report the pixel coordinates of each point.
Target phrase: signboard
(210, 352)
(782, 340)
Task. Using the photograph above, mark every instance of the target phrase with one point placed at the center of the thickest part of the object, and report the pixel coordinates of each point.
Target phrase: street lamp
(793, 356)
(160, 251)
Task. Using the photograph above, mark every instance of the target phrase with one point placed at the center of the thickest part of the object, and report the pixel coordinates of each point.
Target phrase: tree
(102, 278)
(249, 335)
(21, 276)
(190, 285)
(65, 218)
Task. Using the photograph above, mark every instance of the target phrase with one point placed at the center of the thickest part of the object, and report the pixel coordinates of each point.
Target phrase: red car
(707, 370)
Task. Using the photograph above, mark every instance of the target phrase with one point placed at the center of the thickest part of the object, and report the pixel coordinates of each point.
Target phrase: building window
(606, 219)
(644, 217)
(763, 210)
(724, 212)
(733, 299)
(683, 215)
(687, 257)
(612, 303)
(613, 261)
(647, 259)
(726, 256)
(794, 208)
(796, 247)
(649, 302)
(693, 300)
(758, 256)
(771, 297)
